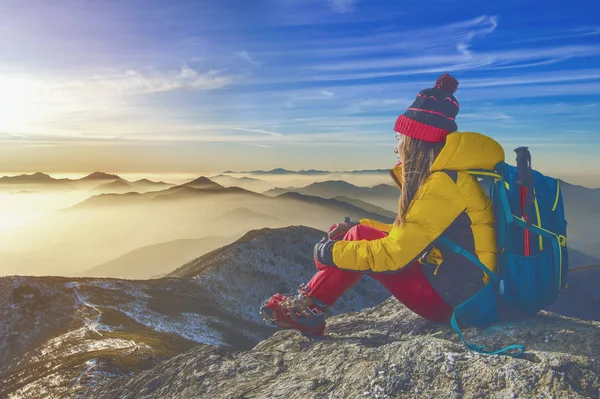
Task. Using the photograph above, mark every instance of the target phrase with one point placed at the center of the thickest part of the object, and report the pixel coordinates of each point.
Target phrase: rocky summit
(385, 352)
(59, 335)
(198, 334)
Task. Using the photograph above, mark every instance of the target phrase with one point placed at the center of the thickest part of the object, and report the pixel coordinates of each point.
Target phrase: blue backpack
(532, 261)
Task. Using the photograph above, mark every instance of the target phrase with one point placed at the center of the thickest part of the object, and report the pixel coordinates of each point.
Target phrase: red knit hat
(431, 116)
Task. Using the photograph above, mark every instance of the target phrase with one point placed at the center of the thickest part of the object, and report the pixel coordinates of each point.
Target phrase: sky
(207, 86)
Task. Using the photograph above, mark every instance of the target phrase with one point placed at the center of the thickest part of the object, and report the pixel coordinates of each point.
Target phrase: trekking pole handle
(523, 167)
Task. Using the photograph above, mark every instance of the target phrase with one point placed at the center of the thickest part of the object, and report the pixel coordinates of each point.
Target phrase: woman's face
(398, 147)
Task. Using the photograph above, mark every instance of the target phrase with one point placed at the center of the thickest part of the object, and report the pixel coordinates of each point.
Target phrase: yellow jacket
(450, 201)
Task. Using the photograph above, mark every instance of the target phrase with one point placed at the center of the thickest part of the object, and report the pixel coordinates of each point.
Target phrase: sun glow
(11, 215)
(22, 208)
(19, 105)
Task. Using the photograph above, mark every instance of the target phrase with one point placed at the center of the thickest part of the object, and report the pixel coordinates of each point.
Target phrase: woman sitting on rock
(438, 197)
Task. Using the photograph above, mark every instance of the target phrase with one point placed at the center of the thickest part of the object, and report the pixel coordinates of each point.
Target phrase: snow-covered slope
(59, 336)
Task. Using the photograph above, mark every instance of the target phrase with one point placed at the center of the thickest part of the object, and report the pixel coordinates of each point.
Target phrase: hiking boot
(299, 312)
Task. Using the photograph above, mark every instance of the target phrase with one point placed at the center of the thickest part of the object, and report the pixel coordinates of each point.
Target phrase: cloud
(568, 34)
(396, 67)
(464, 45)
(110, 104)
(135, 82)
(11, 135)
(441, 39)
(245, 129)
(375, 55)
(367, 93)
(335, 81)
(342, 6)
(489, 58)
(131, 81)
(297, 98)
(551, 61)
(532, 91)
(187, 72)
(257, 145)
(494, 116)
(213, 134)
(246, 56)
(379, 104)
(537, 78)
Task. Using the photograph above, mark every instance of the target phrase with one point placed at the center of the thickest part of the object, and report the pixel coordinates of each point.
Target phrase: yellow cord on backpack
(557, 195)
(539, 218)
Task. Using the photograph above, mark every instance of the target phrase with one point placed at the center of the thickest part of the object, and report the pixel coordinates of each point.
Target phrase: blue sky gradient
(134, 86)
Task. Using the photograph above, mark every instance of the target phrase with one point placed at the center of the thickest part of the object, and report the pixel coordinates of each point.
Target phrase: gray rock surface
(385, 352)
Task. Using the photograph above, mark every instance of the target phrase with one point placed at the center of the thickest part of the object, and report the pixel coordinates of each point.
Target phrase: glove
(323, 253)
(338, 230)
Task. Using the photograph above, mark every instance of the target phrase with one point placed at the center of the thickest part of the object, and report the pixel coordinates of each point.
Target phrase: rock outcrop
(385, 352)
(60, 335)
(198, 334)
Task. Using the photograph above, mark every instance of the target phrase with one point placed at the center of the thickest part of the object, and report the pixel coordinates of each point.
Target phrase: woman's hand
(339, 230)
(322, 253)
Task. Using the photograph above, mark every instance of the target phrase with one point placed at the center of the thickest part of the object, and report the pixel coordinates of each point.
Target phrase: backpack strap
(463, 252)
(497, 188)
(506, 351)
(511, 350)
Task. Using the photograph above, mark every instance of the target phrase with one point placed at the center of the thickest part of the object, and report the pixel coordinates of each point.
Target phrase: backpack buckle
(562, 240)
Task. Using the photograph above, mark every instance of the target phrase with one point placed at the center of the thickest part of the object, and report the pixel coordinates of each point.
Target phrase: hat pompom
(447, 83)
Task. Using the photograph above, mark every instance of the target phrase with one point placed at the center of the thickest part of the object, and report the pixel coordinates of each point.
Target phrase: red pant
(409, 285)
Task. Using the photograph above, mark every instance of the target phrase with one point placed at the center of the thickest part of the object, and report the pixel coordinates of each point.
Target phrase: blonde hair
(417, 157)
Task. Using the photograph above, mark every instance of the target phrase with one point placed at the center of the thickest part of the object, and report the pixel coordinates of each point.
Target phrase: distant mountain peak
(100, 176)
(203, 182)
(148, 182)
(36, 174)
(202, 179)
(37, 177)
(333, 183)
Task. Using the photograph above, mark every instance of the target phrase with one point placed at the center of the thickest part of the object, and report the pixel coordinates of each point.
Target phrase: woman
(438, 197)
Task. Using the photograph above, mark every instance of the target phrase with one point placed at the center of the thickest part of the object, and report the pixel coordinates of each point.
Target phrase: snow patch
(75, 342)
(191, 326)
(92, 325)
